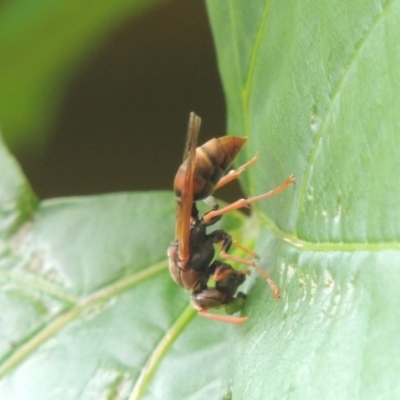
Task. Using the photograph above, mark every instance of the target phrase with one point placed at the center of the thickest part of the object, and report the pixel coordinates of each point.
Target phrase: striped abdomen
(213, 160)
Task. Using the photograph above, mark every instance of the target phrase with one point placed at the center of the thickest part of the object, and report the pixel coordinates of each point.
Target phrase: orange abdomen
(213, 160)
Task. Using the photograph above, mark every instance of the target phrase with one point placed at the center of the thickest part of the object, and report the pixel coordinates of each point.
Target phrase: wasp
(191, 255)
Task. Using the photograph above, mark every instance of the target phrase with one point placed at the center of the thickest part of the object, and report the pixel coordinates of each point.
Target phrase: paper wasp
(204, 169)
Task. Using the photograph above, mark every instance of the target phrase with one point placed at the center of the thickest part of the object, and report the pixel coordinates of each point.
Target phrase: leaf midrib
(294, 241)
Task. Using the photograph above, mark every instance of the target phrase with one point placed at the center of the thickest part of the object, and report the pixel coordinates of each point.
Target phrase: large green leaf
(315, 86)
(88, 307)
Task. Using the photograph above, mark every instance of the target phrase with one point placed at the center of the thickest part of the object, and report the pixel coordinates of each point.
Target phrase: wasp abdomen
(213, 159)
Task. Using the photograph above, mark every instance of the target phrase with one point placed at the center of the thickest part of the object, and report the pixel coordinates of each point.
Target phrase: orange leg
(271, 283)
(234, 173)
(245, 202)
(222, 318)
(245, 249)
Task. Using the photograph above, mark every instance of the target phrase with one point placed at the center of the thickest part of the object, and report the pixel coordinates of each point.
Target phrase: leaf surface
(88, 307)
(314, 86)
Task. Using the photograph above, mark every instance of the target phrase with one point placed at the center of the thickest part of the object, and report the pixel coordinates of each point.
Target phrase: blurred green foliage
(42, 44)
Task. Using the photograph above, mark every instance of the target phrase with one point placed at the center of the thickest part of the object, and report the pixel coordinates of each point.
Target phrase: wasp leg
(223, 294)
(245, 202)
(250, 263)
(271, 283)
(222, 318)
(223, 237)
(245, 249)
(227, 242)
(219, 236)
(215, 298)
(234, 173)
(214, 220)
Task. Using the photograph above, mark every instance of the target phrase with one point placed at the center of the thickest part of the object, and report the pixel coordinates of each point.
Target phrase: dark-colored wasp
(191, 264)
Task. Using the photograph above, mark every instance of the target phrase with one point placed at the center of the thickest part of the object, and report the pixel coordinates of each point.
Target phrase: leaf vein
(61, 320)
(160, 351)
(246, 92)
(335, 95)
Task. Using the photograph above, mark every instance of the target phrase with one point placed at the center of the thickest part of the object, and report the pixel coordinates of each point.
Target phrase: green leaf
(315, 87)
(88, 307)
(42, 43)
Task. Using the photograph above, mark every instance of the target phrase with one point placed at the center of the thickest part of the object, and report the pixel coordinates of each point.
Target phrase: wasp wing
(185, 203)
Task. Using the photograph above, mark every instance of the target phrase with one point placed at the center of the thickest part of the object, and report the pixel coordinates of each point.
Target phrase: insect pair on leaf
(191, 256)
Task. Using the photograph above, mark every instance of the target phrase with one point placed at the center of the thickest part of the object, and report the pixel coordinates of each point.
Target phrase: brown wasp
(191, 256)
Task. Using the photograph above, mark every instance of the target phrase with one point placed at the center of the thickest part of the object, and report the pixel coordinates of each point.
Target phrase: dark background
(123, 122)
